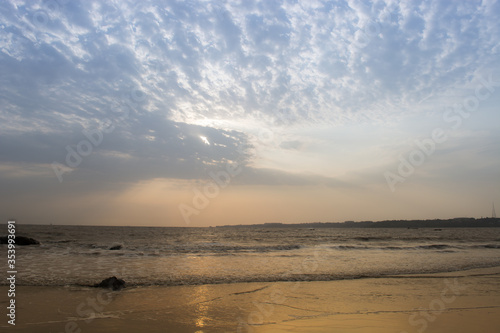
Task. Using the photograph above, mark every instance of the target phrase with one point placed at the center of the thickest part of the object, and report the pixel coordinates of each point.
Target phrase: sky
(204, 113)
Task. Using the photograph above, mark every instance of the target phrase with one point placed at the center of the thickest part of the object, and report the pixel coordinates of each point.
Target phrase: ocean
(147, 256)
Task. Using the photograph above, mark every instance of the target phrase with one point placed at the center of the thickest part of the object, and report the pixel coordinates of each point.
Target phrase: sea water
(83, 255)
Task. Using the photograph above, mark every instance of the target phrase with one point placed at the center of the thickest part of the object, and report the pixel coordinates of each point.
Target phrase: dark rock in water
(116, 247)
(20, 240)
(111, 283)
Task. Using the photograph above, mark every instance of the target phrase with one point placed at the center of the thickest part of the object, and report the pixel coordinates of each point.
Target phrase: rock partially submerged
(116, 247)
(111, 283)
(20, 240)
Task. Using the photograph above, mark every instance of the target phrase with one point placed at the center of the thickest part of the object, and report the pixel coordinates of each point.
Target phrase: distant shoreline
(460, 222)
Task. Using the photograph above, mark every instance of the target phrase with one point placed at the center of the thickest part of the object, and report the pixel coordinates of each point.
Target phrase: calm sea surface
(81, 255)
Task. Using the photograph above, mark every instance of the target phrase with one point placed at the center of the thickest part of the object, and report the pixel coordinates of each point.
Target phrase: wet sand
(466, 301)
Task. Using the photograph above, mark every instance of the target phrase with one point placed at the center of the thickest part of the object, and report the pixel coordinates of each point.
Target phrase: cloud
(166, 73)
(154, 148)
(292, 62)
(273, 177)
(320, 93)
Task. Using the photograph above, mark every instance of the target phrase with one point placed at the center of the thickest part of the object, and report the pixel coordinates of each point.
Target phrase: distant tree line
(460, 222)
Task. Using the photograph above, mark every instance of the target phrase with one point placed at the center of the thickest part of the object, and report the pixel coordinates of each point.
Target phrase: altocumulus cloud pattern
(188, 86)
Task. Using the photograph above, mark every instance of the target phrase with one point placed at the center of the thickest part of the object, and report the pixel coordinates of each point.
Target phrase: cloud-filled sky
(198, 113)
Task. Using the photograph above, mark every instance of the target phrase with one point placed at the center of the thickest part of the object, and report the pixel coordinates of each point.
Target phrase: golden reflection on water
(202, 296)
(202, 317)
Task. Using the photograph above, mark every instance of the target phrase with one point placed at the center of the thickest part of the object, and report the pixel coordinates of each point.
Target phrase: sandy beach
(465, 301)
